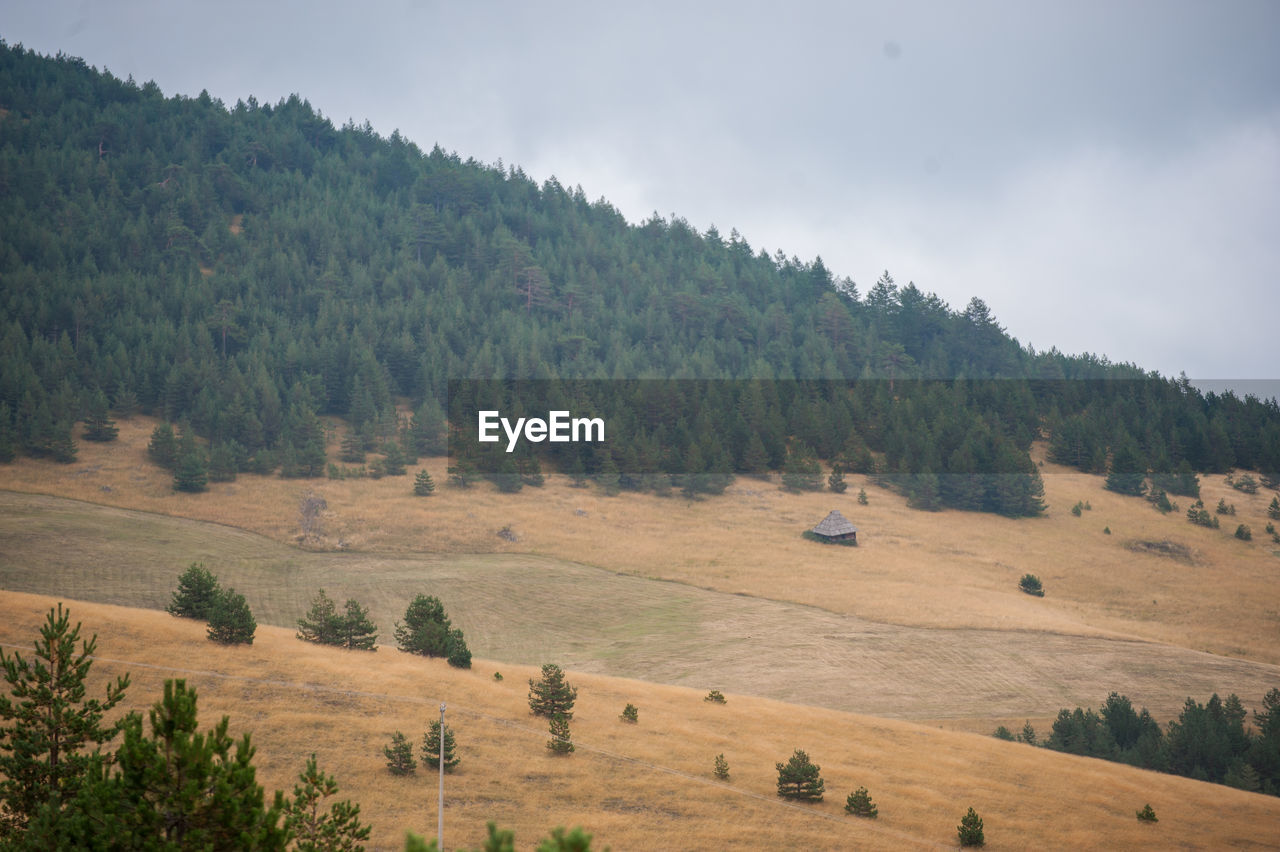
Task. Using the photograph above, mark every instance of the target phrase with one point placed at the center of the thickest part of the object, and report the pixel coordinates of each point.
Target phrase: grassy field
(945, 569)
(529, 610)
(644, 786)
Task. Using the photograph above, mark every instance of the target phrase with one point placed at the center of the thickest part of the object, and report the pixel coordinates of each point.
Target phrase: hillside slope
(649, 785)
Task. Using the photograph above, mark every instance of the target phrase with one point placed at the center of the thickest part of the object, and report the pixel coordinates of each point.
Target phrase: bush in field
(970, 830)
(859, 804)
(800, 779)
(1030, 584)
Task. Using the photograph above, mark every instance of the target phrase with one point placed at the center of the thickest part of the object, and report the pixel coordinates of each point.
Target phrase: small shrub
(497, 675)
(1077, 509)
(1027, 734)
(715, 696)
(1247, 484)
(1244, 533)
(560, 742)
(862, 497)
(859, 804)
(1225, 508)
(1271, 529)
(1003, 733)
(1106, 530)
(1030, 584)
(400, 760)
(1147, 814)
(970, 830)
(630, 713)
(721, 769)
(1273, 511)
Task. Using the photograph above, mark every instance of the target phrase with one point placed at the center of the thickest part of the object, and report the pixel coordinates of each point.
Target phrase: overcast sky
(1105, 175)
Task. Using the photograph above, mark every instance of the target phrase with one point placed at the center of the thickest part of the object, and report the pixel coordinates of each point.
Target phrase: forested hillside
(245, 269)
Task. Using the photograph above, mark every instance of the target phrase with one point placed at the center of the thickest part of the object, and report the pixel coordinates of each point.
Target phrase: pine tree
(836, 480)
(322, 624)
(62, 448)
(50, 726)
(400, 759)
(352, 448)
(223, 463)
(431, 748)
(1273, 511)
(425, 629)
(457, 653)
(230, 620)
(98, 423)
(560, 742)
(630, 713)
(422, 484)
(196, 593)
(862, 497)
(163, 448)
(970, 830)
(721, 768)
(1128, 471)
(859, 804)
(800, 779)
(317, 830)
(358, 632)
(393, 459)
(178, 789)
(192, 472)
(552, 695)
(1147, 814)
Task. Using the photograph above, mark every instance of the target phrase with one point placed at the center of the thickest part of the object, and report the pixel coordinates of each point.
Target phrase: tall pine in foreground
(51, 729)
(173, 788)
(315, 829)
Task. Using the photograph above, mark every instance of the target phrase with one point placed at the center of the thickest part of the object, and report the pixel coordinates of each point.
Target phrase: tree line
(241, 270)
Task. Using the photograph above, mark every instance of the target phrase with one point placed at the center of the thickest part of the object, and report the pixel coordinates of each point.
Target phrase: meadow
(642, 786)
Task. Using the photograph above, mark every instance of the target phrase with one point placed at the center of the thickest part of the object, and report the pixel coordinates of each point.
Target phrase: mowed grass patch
(945, 569)
(526, 610)
(642, 786)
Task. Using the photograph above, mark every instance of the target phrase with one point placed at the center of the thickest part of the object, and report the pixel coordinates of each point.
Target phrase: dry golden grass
(644, 786)
(946, 569)
(527, 609)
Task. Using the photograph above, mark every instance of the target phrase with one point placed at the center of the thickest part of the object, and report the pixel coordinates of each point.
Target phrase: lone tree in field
(970, 830)
(552, 695)
(859, 804)
(1031, 584)
(314, 829)
(431, 748)
(399, 754)
(51, 731)
(721, 768)
(1147, 814)
(197, 591)
(230, 621)
(630, 713)
(423, 485)
(560, 742)
(800, 779)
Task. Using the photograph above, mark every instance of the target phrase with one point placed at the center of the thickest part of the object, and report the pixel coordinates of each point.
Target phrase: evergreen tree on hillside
(316, 830)
(98, 425)
(52, 731)
(321, 624)
(192, 472)
(552, 695)
(1128, 472)
(423, 486)
(800, 779)
(230, 620)
(174, 788)
(431, 748)
(197, 591)
(425, 629)
(163, 448)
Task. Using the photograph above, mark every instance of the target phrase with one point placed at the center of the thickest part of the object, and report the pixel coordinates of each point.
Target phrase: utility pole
(440, 823)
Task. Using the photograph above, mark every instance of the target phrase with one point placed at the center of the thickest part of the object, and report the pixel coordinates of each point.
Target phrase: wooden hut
(836, 527)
